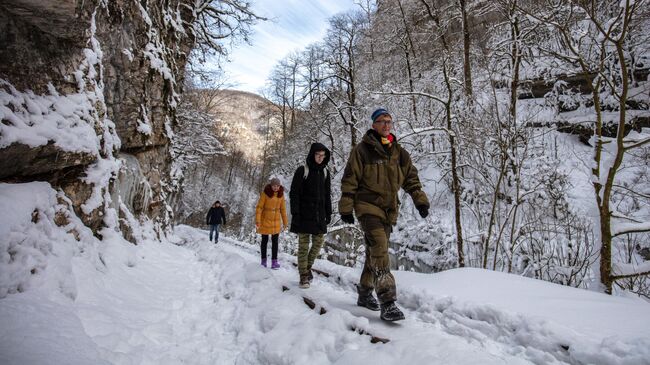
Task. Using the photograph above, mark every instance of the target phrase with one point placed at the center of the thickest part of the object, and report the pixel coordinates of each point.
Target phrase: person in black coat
(311, 208)
(216, 216)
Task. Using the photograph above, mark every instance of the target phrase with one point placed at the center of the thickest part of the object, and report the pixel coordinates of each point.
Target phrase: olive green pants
(307, 255)
(376, 270)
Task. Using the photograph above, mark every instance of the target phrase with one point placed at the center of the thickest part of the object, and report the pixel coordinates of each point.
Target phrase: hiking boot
(264, 262)
(366, 299)
(310, 275)
(275, 264)
(390, 312)
(304, 282)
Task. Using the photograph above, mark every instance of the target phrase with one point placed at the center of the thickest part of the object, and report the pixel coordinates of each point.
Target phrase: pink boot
(264, 262)
(275, 264)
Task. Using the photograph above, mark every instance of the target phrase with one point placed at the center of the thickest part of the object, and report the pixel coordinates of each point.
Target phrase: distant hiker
(311, 208)
(271, 218)
(378, 166)
(216, 216)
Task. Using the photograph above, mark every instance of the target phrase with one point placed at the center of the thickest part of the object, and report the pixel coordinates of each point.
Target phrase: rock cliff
(88, 93)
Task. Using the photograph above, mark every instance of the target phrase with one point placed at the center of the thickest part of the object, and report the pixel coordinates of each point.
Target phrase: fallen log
(320, 272)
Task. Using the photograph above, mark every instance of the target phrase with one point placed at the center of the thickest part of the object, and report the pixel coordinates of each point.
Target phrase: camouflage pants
(307, 255)
(376, 270)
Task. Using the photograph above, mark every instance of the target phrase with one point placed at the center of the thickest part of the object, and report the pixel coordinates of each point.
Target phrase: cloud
(292, 25)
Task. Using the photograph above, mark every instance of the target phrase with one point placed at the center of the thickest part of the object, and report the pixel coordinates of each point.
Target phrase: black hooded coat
(310, 195)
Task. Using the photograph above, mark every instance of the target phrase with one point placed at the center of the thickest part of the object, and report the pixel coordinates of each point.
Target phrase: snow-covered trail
(438, 328)
(290, 332)
(167, 313)
(200, 303)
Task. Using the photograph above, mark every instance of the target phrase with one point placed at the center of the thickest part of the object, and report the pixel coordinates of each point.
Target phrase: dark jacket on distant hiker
(216, 215)
(310, 195)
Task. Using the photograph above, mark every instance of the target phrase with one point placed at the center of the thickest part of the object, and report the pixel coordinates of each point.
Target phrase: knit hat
(377, 113)
(275, 181)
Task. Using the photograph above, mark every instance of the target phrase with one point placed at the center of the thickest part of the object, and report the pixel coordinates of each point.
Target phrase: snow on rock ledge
(71, 99)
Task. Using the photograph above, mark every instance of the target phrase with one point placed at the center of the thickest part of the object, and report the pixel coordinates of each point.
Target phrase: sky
(292, 25)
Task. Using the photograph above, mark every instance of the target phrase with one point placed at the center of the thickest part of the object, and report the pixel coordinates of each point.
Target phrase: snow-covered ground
(189, 301)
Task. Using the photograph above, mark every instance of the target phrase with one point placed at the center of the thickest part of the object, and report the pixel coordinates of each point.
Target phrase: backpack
(306, 172)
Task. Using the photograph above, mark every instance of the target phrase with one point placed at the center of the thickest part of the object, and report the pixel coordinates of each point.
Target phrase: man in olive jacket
(378, 166)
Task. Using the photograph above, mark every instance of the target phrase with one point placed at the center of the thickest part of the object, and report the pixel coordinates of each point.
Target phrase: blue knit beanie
(377, 113)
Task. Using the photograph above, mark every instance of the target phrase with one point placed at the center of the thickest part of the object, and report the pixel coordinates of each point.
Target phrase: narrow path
(407, 338)
(200, 303)
(492, 331)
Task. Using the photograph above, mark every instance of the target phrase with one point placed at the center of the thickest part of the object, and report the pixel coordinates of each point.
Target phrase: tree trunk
(513, 133)
(605, 248)
(606, 277)
(454, 171)
(457, 204)
(486, 245)
(409, 49)
(467, 69)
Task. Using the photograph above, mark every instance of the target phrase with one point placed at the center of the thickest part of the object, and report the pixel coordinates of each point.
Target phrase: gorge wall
(88, 92)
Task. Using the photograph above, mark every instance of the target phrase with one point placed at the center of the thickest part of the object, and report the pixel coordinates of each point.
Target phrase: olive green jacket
(372, 179)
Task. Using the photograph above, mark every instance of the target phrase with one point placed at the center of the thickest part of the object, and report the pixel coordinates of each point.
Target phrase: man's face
(319, 157)
(383, 124)
(217, 205)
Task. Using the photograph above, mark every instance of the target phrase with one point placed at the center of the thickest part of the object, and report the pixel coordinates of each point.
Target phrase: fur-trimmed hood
(268, 190)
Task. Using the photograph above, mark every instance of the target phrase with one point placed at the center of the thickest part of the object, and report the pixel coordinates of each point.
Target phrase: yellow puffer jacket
(270, 213)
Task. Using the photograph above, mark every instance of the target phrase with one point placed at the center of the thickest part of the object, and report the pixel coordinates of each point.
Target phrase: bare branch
(636, 144)
(410, 93)
(634, 275)
(647, 196)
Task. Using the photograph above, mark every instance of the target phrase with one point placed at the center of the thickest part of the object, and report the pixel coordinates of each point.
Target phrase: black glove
(347, 218)
(424, 211)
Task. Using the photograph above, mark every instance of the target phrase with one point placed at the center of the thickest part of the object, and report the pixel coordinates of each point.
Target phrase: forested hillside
(527, 120)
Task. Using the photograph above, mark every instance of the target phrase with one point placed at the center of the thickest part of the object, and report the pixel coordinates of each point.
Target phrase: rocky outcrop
(585, 130)
(20, 161)
(539, 87)
(88, 91)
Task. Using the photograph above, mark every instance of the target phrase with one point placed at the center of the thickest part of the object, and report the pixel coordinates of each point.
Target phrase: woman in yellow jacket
(271, 218)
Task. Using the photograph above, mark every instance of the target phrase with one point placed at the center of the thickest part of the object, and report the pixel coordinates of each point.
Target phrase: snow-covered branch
(634, 144)
(426, 131)
(412, 93)
(625, 271)
(625, 228)
(647, 196)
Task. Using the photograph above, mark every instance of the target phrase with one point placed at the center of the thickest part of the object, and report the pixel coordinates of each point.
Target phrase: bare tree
(600, 50)
(339, 86)
(467, 66)
(214, 22)
(440, 30)
(282, 89)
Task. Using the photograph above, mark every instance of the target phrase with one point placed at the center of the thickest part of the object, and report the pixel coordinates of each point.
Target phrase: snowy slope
(192, 302)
